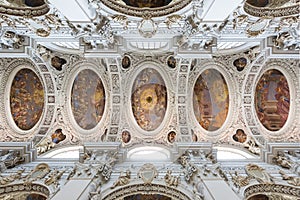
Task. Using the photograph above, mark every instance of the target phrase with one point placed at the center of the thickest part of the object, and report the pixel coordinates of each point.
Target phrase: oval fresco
(87, 99)
(26, 99)
(211, 99)
(272, 100)
(149, 99)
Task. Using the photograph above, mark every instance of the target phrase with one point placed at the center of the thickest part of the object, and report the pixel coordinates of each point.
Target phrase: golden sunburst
(148, 98)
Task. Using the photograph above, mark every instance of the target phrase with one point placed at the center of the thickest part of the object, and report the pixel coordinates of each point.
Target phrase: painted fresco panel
(149, 99)
(272, 100)
(87, 99)
(211, 99)
(26, 99)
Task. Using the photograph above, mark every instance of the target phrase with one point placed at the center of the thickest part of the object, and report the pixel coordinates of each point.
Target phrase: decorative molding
(152, 188)
(253, 190)
(146, 13)
(271, 11)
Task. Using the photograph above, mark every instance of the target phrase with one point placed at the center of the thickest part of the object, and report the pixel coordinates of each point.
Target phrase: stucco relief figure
(10, 159)
(122, 180)
(45, 145)
(189, 168)
(12, 40)
(54, 177)
(293, 180)
(252, 146)
(4, 180)
(240, 181)
(282, 161)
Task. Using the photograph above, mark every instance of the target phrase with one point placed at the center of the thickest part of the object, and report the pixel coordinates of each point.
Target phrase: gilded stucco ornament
(240, 181)
(123, 179)
(9, 159)
(293, 180)
(288, 40)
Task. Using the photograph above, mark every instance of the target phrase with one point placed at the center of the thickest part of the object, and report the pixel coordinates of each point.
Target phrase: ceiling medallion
(147, 28)
(139, 8)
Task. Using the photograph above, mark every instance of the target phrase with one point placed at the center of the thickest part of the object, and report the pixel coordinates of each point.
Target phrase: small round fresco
(149, 99)
(211, 100)
(26, 99)
(272, 100)
(87, 99)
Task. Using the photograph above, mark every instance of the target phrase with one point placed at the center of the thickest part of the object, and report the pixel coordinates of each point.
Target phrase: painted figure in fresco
(126, 62)
(171, 62)
(149, 99)
(172, 136)
(126, 136)
(240, 63)
(272, 100)
(88, 99)
(58, 62)
(240, 136)
(26, 99)
(58, 136)
(211, 100)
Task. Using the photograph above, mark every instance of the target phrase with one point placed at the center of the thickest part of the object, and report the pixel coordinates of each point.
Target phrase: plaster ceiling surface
(196, 29)
(76, 25)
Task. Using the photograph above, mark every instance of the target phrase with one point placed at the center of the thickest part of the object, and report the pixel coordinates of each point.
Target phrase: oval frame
(7, 90)
(80, 67)
(292, 95)
(231, 110)
(129, 113)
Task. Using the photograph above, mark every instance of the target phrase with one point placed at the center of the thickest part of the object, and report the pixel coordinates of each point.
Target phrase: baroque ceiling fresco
(175, 81)
(114, 81)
